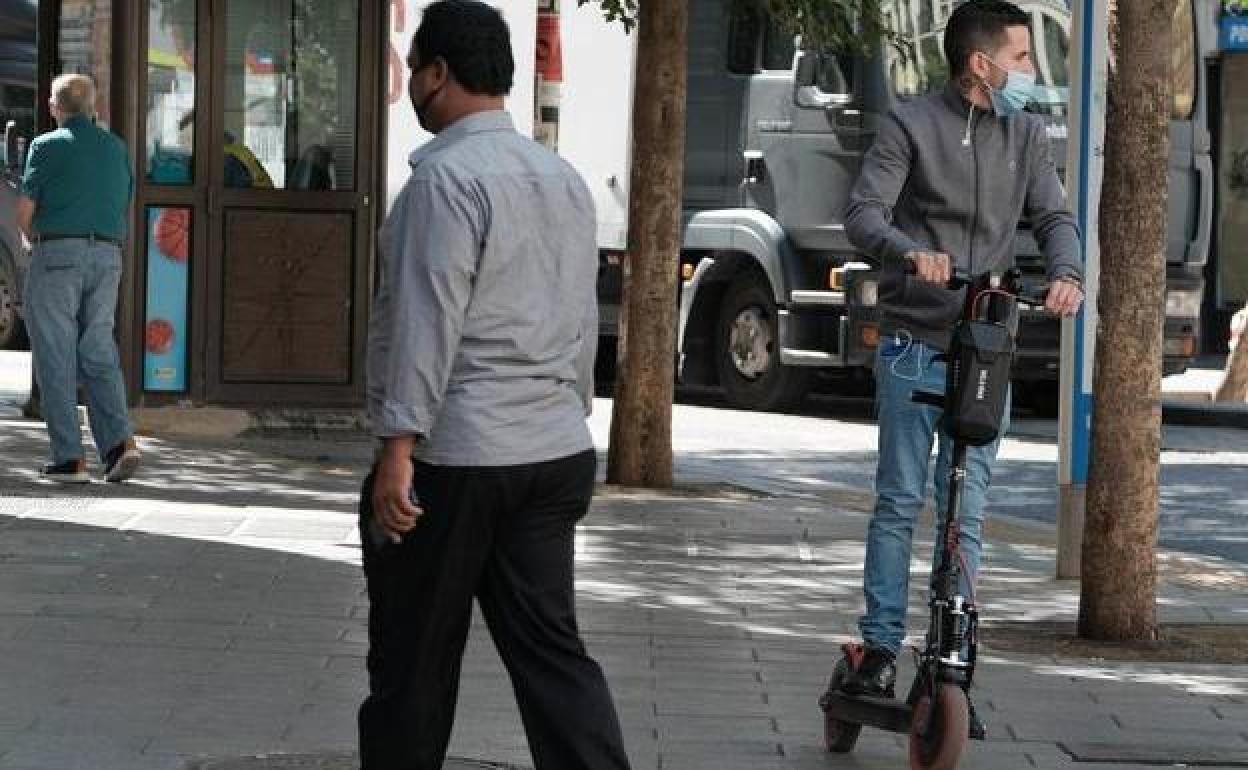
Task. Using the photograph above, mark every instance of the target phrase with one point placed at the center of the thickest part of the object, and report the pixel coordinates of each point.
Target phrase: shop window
(170, 91)
(290, 94)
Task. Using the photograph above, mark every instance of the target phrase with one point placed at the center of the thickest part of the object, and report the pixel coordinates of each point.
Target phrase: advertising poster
(168, 284)
(548, 75)
(1233, 27)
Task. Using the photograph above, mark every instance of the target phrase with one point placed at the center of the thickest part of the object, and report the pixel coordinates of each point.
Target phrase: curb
(224, 423)
(325, 761)
(1204, 414)
(218, 423)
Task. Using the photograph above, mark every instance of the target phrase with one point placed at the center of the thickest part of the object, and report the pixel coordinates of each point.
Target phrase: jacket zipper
(970, 251)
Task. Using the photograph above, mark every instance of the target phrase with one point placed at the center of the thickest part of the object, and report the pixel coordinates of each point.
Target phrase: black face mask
(423, 108)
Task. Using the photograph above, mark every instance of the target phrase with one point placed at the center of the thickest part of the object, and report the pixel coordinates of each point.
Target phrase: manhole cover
(322, 762)
(1160, 755)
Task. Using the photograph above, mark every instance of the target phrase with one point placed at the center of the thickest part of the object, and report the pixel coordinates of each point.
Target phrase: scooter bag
(978, 381)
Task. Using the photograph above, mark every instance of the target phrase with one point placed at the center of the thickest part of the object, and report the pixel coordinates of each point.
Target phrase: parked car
(18, 57)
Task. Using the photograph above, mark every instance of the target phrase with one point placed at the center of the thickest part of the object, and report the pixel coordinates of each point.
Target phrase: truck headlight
(1183, 346)
(868, 292)
(1182, 303)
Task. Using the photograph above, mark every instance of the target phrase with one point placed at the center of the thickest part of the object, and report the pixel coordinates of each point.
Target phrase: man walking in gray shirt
(480, 361)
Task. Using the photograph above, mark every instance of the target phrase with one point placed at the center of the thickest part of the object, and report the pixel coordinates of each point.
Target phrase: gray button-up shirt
(484, 325)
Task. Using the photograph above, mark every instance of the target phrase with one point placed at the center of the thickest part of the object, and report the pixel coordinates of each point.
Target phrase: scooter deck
(881, 713)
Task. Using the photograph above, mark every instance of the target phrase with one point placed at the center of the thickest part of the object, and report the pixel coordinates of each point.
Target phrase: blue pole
(1084, 165)
(1081, 418)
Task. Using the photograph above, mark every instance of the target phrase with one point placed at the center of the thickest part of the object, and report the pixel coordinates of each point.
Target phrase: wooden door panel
(287, 294)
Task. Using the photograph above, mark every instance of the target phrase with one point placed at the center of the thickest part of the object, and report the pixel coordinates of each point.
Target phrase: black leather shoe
(68, 472)
(975, 729)
(873, 673)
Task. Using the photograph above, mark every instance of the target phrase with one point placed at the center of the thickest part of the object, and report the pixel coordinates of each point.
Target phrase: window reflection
(85, 47)
(170, 91)
(290, 94)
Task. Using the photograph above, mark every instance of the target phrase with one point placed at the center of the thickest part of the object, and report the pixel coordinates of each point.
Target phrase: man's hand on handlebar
(1063, 298)
(931, 266)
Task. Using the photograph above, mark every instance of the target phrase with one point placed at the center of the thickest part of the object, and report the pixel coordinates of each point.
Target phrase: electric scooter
(936, 711)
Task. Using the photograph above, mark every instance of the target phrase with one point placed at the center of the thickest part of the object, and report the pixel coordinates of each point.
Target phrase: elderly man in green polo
(75, 194)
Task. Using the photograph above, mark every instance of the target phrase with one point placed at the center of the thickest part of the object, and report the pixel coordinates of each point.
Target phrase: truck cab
(772, 293)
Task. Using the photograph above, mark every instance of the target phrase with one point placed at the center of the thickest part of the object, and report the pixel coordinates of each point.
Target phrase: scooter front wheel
(938, 732)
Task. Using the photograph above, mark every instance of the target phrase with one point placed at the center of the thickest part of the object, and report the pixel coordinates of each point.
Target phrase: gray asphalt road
(830, 444)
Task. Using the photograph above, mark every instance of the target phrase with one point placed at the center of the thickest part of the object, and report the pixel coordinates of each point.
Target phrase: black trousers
(504, 535)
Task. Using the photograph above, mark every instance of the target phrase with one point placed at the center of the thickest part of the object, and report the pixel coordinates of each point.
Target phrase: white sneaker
(121, 461)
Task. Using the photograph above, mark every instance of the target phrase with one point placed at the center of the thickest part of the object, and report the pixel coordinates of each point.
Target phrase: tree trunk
(640, 452)
(1118, 597)
(1234, 385)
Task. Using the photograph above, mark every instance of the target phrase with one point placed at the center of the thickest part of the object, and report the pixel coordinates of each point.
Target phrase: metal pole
(1085, 159)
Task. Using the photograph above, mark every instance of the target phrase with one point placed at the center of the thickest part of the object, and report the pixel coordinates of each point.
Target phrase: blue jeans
(907, 432)
(71, 298)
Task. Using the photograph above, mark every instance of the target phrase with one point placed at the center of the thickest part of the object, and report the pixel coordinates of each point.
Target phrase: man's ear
(982, 69)
(441, 71)
(975, 65)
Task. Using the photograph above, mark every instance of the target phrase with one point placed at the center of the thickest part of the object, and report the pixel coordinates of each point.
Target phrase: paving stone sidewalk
(213, 610)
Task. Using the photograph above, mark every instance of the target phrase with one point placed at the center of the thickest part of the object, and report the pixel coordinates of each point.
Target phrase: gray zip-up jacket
(940, 177)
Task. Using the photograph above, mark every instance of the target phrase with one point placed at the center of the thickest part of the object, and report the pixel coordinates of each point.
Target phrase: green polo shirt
(79, 178)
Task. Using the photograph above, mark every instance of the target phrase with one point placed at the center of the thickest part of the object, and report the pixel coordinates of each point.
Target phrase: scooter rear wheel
(839, 736)
(938, 733)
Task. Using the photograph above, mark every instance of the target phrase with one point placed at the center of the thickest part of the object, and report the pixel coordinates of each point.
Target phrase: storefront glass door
(256, 198)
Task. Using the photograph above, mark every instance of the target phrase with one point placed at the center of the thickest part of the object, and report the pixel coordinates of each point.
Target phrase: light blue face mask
(1018, 91)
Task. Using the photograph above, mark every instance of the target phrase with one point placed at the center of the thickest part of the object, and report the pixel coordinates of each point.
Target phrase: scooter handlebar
(1011, 282)
(958, 278)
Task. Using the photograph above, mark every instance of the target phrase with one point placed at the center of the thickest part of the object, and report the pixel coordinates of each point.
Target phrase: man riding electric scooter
(950, 173)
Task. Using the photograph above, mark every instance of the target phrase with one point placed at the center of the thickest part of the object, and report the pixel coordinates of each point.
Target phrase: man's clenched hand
(931, 266)
(392, 487)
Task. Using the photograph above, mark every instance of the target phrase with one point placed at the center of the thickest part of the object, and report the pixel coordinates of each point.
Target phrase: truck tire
(747, 350)
(12, 330)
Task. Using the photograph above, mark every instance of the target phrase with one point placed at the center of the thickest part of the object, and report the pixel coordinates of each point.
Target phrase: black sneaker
(121, 461)
(68, 472)
(874, 672)
(975, 728)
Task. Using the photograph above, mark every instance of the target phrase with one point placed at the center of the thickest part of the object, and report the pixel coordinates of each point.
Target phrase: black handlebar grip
(958, 278)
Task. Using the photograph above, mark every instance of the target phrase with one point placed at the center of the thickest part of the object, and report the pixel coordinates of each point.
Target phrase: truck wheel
(747, 350)
(12, 331)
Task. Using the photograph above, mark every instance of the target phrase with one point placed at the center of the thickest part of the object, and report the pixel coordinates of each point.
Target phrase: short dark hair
(473, 39)
(979, 25)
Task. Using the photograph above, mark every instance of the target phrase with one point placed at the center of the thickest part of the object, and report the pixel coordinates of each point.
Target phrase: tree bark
(1234, 385)
(640, 452)
(1118, 596)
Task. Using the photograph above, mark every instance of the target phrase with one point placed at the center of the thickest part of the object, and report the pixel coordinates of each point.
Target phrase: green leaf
(844, 26)
(623, 11)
